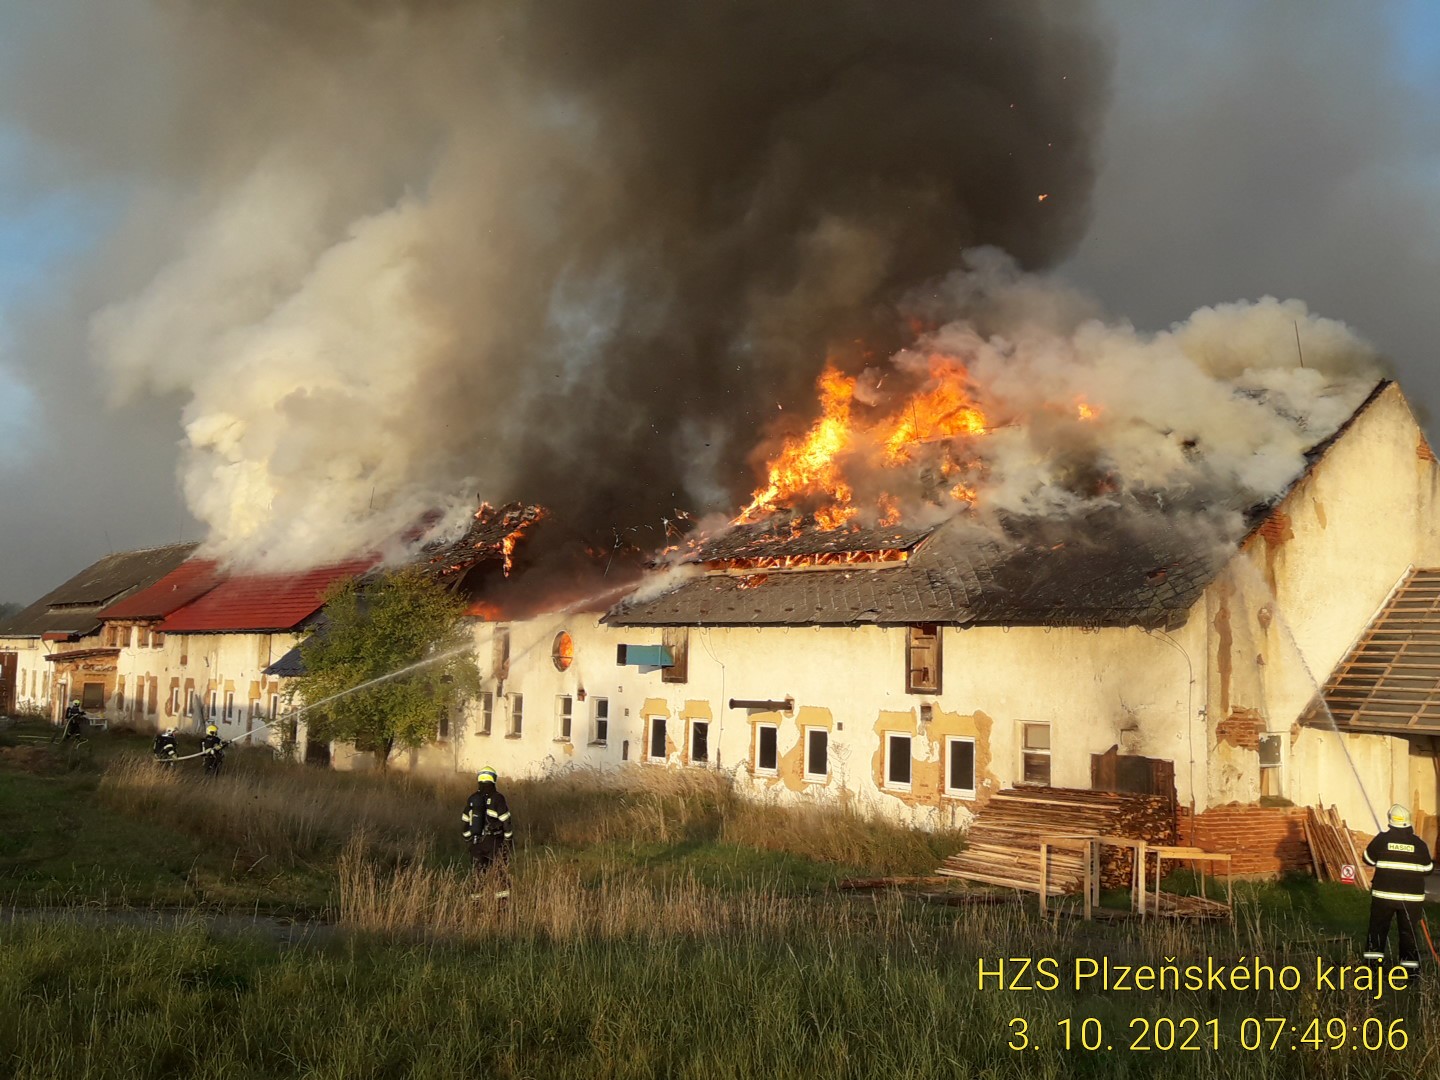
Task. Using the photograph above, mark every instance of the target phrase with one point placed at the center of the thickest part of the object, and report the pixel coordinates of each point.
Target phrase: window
(142, 637)
(960, 766)
(274, 706)
(229, 707)
(124, 637)
(517, 715)
(562, 651)
(500, 653)
(817, 755)
(897, 761)
(93, 697)
(154, 688)
(192, 704)
(1269, 751)
(157, 639)
(1035, 754)
(922, 659)
(174, 707)
(214, 704)
(658, 749)
(487, 711)
(251, 714)
(564, 712)
(677, 640)
(600, 711)
(120, 700)
(699, 742)
(767, 757)
(443, 728)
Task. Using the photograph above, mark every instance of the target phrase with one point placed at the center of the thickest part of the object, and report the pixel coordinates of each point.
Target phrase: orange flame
(812, 465)
(1085, 411)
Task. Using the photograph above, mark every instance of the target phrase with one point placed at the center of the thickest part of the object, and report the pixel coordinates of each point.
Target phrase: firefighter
(1397, 890)
(165, 748)
(489, 832)
(213, 747)
(74, 717)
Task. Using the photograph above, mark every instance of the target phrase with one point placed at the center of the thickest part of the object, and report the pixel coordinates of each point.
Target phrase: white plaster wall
(206, 663)
(32, 673)
(1292, 604)
(1094, 689)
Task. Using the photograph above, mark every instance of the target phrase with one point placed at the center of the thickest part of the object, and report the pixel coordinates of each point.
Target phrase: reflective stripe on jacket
(1401, 861)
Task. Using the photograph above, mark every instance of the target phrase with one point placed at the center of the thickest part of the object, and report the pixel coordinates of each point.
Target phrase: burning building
(917, 669)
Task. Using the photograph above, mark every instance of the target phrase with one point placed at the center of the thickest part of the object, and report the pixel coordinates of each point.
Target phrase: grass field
(665, 928)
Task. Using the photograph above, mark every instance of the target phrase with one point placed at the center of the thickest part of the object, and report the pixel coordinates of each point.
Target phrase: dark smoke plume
(396, 253)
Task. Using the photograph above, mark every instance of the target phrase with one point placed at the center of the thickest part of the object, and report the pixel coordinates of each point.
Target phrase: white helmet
(1399, 817)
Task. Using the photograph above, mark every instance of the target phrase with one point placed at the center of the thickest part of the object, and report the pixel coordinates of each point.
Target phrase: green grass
(668, 929)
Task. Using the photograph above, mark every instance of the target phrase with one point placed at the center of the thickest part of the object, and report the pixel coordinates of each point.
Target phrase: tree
(9, 611)
(405, 635)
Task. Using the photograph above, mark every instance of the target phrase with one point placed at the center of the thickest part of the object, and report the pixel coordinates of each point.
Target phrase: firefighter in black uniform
(213, 747)
(165, 748)
(1397, 891)
(74, 717)
(489, 832)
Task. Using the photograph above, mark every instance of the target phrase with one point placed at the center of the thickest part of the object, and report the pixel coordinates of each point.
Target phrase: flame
(808, 463)
(481, 609)
(1084, 410)
(812, 466)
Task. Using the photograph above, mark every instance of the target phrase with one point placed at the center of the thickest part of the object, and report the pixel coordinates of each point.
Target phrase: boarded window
(922, 659)
(487, 712)
(677, 640)
(897, 761)
(658, 749)
(817, 754)
(93, 697)
(500, 653)
(517, 714)
(700, 742)
(959, 766)
(157, 639)
(153, 705)
(767, 756)
(601, 712)
(564, 713)
(1035, 754)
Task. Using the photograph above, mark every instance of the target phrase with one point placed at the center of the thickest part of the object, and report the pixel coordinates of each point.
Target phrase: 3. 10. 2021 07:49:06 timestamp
(1188, 1033)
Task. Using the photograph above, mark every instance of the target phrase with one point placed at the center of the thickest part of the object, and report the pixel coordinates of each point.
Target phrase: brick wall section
(1263, 839)
(1242, 728)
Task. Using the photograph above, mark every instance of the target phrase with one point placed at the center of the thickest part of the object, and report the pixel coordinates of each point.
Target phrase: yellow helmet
(1399, 817)
(211, 729)
(486, 776)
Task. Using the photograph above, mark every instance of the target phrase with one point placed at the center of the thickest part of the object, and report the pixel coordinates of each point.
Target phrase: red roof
(256, 602)
(186, 583)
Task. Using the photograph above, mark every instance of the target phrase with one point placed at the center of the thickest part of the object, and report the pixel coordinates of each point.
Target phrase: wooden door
(8, 663)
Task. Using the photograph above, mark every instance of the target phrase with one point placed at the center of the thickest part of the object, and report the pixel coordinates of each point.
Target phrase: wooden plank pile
(1003, 845)
(1332, 846)
(1189, 907)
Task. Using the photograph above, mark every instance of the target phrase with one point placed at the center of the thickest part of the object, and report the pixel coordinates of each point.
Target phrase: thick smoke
(395, 254)
(1082, 411)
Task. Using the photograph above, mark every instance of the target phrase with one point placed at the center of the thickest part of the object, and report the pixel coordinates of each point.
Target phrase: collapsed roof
(1142, 560)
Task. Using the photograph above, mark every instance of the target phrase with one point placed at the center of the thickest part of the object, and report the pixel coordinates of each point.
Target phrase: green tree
(405, 635)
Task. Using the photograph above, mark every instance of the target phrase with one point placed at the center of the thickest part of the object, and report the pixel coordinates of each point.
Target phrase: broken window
(1269, 751)
(1035, 754)
(564, 711)
(817, 754)
(897, 761)
(562, 651)
(600, 710)
(767, 756)
(677, 640)
(487, 711)
(960, 766)
(658, 749)
(93, 697)
(517, 714)
(699, 742)
(922, 659)
(500, 653)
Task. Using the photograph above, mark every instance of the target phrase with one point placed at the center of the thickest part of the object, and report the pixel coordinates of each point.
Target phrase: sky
(1288, 149)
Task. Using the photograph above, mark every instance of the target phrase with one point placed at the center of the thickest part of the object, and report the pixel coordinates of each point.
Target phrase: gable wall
(1289, 607)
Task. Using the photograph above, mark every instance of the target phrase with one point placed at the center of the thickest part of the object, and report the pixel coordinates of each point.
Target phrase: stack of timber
(1003, 845)
(1332, 846)
(1189, 907)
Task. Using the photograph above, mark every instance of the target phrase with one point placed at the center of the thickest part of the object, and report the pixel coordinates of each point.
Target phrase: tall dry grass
(292, 813)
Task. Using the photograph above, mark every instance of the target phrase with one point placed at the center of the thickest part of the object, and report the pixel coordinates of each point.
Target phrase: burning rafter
(492, 535)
